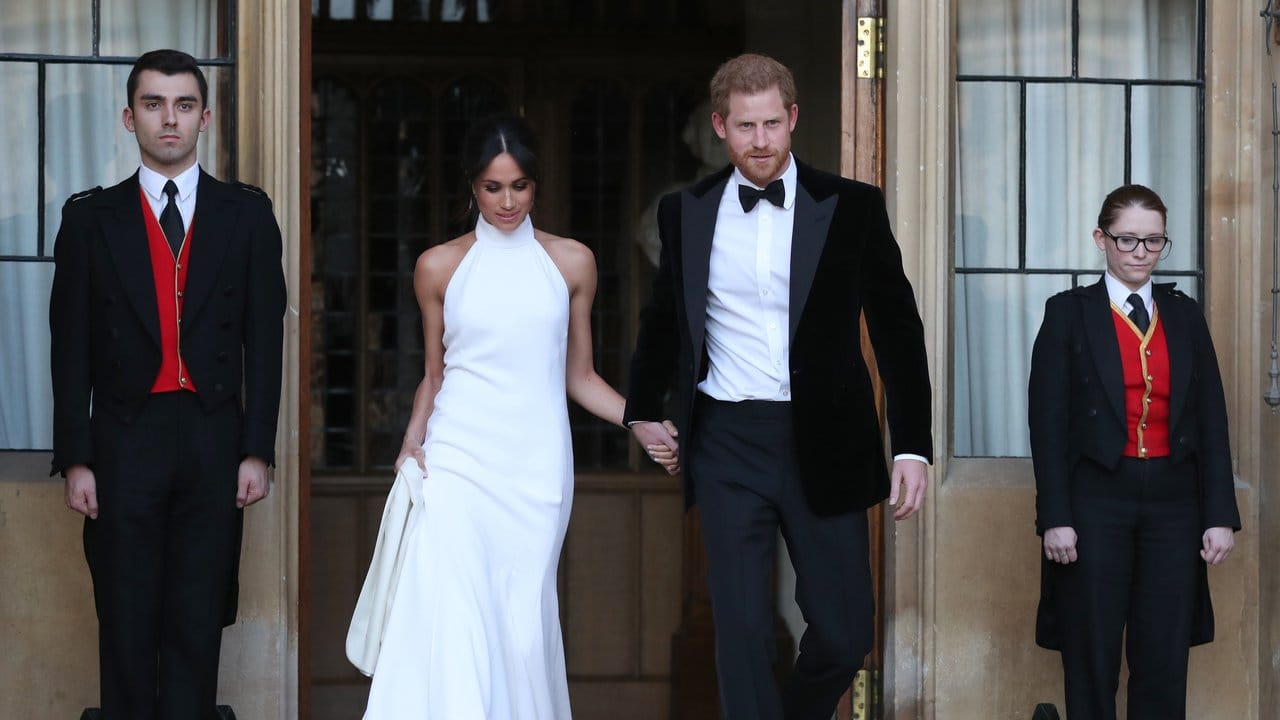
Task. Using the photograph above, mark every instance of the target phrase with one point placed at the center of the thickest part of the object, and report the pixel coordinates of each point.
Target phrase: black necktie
(749, 196)
(1139, 313)
(171, 219)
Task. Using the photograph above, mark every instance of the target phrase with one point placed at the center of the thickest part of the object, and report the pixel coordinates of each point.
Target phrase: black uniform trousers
(1139, 531)
(743, 463)
(163, 554)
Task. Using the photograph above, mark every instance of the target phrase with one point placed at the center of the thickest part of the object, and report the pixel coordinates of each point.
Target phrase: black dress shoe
(1045, 711)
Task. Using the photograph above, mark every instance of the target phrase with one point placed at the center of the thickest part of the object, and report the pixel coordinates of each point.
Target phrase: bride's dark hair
(490, 137)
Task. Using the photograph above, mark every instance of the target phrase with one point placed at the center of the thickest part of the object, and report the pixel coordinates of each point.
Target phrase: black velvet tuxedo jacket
(1076, 415)
(844, 262)
(105, 324)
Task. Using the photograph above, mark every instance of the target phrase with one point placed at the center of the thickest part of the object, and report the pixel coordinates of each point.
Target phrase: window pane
(379, 9)
(1150, 39)
(1015, 37)
(26, 397)
(1164, 118)
(986, 190)
(85, 141)
(342, 9)
(599, 132)
(132, 27)
(335, 228)
(997, 317)
(19, 125)
(1075, 156)
(57, 27)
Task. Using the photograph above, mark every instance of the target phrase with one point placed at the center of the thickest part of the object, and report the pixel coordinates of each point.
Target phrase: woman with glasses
(1134, 489)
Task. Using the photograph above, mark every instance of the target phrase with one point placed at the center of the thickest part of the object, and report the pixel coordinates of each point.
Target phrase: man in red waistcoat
(1134, 486)
(166, 321)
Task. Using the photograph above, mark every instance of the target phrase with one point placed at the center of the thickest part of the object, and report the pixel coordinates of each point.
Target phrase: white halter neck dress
(474, 629)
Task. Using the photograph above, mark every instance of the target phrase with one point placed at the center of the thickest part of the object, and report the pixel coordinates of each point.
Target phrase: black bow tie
(749, 196)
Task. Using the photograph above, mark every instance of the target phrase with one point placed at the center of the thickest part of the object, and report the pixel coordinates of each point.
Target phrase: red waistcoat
(1146, 386)
(171, 283)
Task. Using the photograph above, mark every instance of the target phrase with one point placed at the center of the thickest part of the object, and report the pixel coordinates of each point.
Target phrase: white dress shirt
(748, 294)
(1119, 294)
(153, 182)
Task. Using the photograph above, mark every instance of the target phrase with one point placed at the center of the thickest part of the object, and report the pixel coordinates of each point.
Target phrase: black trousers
(163, 554)
(1139, 534)
(743, 463)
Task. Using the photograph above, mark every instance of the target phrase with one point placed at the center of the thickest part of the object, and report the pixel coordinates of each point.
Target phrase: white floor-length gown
(474, 631)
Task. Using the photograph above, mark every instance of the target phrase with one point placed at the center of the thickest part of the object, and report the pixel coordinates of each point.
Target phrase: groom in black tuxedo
(165, 318)
(765, 268)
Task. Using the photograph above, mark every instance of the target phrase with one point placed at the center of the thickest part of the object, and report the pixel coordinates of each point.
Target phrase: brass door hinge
(866, 695)
(870, 47)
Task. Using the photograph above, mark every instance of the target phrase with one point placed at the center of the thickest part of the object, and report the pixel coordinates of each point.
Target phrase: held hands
(1218, 543)
(659, 441)
(1060, 545)
(909, 480)
(252, 484)
(82, 491)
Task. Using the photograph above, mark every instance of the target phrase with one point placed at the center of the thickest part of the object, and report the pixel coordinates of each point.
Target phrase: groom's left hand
(909, 479)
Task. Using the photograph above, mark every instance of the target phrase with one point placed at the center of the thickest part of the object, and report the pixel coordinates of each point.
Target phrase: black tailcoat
(1076, 411)
(105, 325)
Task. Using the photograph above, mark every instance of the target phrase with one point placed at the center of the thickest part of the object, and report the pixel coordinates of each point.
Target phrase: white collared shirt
(153, 182)
(748, 295)
(1119, 294)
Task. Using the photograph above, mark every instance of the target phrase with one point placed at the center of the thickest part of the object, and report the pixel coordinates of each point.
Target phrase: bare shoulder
(437, 264)
(571, 256)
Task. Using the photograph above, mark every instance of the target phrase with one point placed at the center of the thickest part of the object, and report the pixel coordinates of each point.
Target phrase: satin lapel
(125, 232)
(812, 221)
(1101, 331)
(211, 225)
(1178, 340)
(697, 227)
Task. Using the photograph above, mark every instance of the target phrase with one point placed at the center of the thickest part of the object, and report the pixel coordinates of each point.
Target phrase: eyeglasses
(1129, 243)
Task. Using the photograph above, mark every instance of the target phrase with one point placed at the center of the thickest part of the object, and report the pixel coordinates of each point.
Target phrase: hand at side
(252, 484)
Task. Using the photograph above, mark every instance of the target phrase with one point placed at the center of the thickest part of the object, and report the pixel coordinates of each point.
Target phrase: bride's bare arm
(584, 385)
(430, 278)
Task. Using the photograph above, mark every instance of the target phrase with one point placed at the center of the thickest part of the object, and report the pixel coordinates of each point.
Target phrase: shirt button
(1150, 378)
(182, 381)
(764, 291)
(179, 293)
(179, 266)
(777, 363)
(1148, 352)
(1144, 426)
(772, 326)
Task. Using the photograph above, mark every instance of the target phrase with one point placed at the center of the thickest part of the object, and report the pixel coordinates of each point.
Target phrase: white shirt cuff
(910, 456)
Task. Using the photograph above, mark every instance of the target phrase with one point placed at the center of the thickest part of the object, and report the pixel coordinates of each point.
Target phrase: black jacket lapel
(1178, 341)
(697, 227)
(125, 234)
(1101, 331)
(810, 224)
(213, 219)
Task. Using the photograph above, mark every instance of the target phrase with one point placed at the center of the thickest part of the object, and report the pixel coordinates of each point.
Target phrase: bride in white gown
(473, 631)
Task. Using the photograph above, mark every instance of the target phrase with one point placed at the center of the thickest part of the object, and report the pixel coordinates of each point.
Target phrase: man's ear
(718, 124)
(127, 118)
